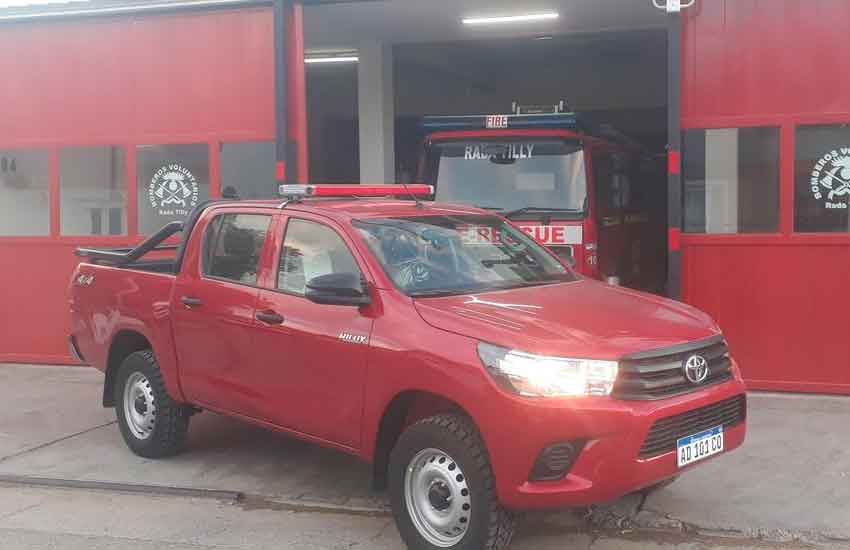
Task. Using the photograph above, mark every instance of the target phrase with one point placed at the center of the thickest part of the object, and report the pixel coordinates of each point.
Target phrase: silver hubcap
(437, 497)
(139, 407)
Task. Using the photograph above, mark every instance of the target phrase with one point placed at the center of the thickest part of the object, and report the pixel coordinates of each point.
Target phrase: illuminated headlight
(541, 376)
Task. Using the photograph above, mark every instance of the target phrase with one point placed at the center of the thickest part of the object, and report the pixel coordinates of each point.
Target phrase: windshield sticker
(511, 151)
(830, 179)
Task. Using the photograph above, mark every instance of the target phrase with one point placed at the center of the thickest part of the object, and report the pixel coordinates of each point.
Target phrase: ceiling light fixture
(333, 59)
(32, 3)
(497, 20)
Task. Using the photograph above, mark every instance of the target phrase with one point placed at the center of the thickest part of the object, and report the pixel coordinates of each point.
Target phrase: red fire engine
(592, 195)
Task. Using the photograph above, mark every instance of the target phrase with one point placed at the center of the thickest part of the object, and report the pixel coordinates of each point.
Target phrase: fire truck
(591, 194)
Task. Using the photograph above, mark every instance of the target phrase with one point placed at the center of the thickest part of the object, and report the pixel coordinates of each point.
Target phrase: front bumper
(609, 465)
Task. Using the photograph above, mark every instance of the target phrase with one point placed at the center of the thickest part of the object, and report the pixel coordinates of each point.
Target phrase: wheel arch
(405, 408)
(124, 343)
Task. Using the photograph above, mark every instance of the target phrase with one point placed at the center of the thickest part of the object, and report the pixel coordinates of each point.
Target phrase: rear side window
(233, 244)
(311, 249)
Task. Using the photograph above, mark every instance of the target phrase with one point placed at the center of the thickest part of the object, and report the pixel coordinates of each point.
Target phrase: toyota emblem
(696, 369)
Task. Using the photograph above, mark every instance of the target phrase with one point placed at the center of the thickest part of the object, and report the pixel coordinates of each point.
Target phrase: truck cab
(591, 195)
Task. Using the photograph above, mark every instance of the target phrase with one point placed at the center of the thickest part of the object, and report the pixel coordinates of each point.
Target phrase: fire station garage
(702, 153)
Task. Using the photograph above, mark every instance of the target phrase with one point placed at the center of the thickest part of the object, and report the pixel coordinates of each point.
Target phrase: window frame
(202, 267)
(274, 268)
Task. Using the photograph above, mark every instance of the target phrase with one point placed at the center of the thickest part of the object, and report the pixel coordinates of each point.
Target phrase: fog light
(555, 461)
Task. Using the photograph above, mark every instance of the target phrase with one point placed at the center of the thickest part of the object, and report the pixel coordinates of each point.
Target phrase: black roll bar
(122, 256)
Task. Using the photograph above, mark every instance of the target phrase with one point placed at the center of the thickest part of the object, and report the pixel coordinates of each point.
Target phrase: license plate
(696, 447)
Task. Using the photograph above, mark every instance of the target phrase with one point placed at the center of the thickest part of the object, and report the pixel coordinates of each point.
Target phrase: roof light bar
(355, 190)
(503, 19)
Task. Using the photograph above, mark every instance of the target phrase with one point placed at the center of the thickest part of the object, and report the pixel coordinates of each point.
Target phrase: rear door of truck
(214, 303)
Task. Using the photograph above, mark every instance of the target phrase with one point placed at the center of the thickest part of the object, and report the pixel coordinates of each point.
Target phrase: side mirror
(338, 289)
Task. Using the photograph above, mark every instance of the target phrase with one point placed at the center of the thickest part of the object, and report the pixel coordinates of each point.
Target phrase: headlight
(541, 376)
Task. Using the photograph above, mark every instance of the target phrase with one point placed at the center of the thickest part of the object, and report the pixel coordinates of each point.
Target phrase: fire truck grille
(664, 432)
(659, 374)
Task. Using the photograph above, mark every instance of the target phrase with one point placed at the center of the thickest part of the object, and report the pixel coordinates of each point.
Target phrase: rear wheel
(152, 424)
(442, 488)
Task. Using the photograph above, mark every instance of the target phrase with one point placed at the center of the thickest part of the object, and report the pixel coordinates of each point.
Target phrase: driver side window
(309, 250)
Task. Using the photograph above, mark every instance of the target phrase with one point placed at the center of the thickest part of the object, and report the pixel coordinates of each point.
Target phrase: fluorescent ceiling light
(28, 3)
(333, 59)
(526, 18)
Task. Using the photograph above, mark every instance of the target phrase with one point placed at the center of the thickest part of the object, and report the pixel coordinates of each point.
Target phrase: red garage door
(111, 127)
(766, 244)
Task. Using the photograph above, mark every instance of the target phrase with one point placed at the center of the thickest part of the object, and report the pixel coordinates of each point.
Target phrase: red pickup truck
(475, 370)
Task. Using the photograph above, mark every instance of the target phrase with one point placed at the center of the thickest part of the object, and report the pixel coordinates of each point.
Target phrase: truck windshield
(506, 176)
(445, 255)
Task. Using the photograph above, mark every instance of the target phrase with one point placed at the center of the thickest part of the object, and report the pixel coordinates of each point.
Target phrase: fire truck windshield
(539, 176)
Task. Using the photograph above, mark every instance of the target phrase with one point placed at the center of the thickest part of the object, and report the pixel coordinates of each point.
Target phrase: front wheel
(442, 488)
(152, 424)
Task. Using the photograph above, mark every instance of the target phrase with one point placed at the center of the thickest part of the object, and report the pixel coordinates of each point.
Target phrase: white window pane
(24, 193)
(93, 191)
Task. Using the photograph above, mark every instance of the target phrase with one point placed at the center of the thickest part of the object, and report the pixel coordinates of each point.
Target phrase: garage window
(731, 180)
(822, 178)
(248, 170)
(93, 190)
(24, 193)
(172, 179)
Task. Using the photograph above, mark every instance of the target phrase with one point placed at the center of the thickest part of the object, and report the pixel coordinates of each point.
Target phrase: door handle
(269, 317)
(191, 301)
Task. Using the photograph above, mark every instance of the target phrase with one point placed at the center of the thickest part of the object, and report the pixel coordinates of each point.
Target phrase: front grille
(660, 373)
(664, 432)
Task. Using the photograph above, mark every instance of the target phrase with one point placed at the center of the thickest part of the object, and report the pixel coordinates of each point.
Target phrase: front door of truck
(312, 357)
(213, 303)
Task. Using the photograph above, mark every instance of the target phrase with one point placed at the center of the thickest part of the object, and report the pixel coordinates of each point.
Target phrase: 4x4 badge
(353, 338)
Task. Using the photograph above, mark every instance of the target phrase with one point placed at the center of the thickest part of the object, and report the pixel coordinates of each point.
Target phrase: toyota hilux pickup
(471, 366)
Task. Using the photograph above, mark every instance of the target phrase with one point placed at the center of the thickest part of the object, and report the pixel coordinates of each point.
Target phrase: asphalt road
(35, 518)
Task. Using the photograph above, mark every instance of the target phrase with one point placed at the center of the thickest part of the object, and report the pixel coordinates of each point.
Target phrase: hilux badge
(353, 338)
(696, 369)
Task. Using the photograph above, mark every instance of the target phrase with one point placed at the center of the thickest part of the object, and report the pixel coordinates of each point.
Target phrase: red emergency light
(355, 190)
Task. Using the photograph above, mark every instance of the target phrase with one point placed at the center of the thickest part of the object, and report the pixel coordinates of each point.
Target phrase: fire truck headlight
(532, 375)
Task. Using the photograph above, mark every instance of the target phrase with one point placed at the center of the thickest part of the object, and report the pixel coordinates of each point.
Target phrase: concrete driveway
(790, 482)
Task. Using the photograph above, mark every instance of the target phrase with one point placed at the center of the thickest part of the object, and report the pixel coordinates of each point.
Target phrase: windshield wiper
(524, 209)
(497, 208)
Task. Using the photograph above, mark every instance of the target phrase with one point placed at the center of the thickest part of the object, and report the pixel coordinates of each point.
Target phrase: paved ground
(790, 483)
(39, 519)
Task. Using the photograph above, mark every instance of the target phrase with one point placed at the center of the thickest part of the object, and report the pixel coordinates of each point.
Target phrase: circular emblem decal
(173, 190)
(696, 369)
(830, 179)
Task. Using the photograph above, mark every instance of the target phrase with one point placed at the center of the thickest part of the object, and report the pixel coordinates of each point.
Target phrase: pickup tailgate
(106, 300)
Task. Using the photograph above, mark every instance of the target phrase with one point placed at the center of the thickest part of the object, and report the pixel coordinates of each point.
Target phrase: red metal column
(297, 83)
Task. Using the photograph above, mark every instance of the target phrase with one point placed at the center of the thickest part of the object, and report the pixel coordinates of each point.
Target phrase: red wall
(192, 77)
(780, 298)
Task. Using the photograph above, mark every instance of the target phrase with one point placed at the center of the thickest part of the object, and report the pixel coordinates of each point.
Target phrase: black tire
(169, 421)
(490, 526)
